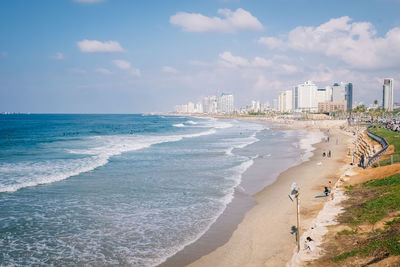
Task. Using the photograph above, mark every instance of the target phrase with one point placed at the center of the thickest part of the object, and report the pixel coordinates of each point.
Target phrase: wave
(241, 143)
(179, 125)
(236, 177)
(101, 149)
(191, 122)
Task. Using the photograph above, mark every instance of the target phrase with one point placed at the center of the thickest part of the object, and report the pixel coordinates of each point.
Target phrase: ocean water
(121, 189)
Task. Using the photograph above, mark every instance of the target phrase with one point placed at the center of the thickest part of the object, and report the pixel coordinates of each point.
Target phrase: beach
(266, 235)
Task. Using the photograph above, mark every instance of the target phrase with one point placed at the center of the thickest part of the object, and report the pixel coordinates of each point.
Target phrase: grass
(393, 138)
(384, 197)
(369, 203)
(348, 232)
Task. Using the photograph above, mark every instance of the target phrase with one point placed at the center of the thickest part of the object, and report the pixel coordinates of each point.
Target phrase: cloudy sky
(125, 56)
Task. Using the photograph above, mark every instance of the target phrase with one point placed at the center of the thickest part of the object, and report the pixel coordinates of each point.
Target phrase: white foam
(179, 125)
(236, 177)
(191, 122)
(101, 149)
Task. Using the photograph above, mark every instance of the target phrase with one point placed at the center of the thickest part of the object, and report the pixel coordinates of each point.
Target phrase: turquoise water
(117, 189)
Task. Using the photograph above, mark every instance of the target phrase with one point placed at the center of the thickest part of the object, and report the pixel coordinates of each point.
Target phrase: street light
(295, 193)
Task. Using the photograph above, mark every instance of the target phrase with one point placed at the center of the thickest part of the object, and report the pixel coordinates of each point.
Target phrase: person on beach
(329, 154)
(323, 154)
(309, 244)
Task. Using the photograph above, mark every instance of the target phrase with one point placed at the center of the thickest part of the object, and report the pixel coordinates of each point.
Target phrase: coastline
(203, 251)
(265, 236)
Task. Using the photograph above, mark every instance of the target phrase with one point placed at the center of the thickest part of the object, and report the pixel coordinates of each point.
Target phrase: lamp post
(295, 193)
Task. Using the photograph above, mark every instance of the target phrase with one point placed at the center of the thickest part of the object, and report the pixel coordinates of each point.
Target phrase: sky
(126, 56)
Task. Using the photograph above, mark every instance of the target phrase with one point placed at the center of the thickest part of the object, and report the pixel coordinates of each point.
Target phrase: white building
(199, 107)
(338, 92)
(275, 104)
(305, 97)
(285, 101)
(255, 106)
(387, 100)
(190, 107)
(225, 104)
(324, 94)
(210, 104)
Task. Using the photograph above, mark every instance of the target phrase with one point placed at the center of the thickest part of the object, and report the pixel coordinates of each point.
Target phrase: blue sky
(124, 56)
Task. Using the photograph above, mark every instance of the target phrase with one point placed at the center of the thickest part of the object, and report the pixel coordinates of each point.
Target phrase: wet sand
(266, 236)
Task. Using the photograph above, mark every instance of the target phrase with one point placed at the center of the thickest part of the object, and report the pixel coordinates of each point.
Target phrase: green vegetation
(393, 138)
(348, 232)
(369, 203)
(383, 196)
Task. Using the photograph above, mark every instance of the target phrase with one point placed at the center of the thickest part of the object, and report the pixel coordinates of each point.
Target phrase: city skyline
(107, 56)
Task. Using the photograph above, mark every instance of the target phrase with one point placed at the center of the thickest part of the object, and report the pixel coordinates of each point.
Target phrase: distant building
(324, 94)
(285, 101)
(275, 104)
(255, 106)
(199, 107)
(329, 106)
(338, 92)
(387, 100)
(210, 104)
(305, 97)
(226, 104)
(349, 96)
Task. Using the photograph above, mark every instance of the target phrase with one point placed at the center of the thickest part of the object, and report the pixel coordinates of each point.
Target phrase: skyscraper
(225, 104)
(305, 97)
(285, 101)
(338, 92)
(387, 100)
(349, 96)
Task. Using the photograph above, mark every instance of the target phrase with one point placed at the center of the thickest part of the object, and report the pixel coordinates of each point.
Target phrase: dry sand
(265, 237)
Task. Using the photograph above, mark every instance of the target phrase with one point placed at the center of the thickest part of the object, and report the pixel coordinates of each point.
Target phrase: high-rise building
(225, 104)
(387, 100)
(275, 104)
(343, 92)
(255, 106)
(305, 97)
(338, 92)
(210, 104)
(190, 107)
(285, 101)
(349, 96)
(324, 94)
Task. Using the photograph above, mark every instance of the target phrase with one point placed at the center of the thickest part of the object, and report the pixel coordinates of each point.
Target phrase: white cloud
(122, 64)
(94, 46)
(127, 66)
(289, 69)
(271, 42)
(58, 56)
(232, 21)
(261, 62)
(228, 60)
(89, 1)
(169, 69)
(103, 71)
(354, 43)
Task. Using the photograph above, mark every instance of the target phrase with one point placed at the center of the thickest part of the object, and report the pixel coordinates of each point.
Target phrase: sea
(101, 190)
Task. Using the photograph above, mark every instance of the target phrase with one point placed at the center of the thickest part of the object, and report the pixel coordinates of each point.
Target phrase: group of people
(324, 154)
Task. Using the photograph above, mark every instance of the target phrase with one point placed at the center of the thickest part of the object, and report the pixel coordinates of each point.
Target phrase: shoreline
(221, 231)
(265, 236)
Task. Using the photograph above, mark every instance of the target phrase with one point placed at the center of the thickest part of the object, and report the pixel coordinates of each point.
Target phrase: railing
(382, 142)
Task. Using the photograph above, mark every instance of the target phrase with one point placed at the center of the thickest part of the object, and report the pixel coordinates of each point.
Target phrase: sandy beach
(265, 237)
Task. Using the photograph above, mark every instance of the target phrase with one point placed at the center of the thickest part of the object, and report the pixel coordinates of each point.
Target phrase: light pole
(295, 193)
